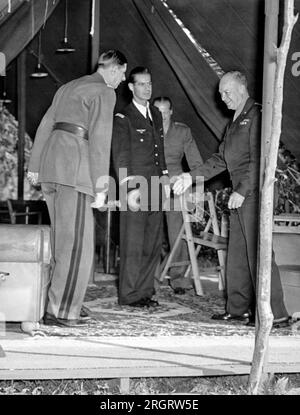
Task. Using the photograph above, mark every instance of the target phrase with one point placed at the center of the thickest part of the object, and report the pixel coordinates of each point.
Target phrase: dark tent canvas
(231, 31)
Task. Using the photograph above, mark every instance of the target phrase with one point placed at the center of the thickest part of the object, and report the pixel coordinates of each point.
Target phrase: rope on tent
(45, 15)
(92, 31)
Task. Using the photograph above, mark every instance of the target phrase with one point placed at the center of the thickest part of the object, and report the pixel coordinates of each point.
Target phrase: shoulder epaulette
(119, 115)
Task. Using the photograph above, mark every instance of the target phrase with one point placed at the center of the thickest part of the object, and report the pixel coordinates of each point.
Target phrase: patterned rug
(110, 306)
(184, 315)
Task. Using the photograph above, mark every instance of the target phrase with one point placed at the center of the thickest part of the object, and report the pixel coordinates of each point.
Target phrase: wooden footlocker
(24, 271)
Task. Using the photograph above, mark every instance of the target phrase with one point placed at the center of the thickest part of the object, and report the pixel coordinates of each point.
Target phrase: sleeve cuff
(126, 179)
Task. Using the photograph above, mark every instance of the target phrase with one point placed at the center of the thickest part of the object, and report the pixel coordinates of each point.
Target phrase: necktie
(148, 117)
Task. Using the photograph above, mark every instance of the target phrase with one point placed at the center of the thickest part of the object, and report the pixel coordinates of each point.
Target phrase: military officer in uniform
(178, 143)
(239, 153)
(70, 157)
(138, 147)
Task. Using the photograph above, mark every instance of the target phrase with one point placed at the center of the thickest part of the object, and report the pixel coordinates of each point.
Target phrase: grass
(279, 384)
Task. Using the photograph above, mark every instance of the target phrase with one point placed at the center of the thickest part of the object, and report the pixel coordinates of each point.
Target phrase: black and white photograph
(149, 202)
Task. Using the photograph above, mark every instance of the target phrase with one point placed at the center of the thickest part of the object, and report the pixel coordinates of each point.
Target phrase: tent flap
(22, 25)
(195, 75)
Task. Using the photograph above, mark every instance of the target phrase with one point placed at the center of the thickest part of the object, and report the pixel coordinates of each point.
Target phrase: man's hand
(183, 182)
(235, 201)
(99, 200)
(33, 178)
(134, 199)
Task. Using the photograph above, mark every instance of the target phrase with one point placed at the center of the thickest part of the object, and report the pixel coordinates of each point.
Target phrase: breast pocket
(237, 147)
(142, 146)
(173, 151)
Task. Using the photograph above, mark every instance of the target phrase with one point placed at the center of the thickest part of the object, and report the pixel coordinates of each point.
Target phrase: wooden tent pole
(266, 210)
(21, 71)
(270, 44)
(269, 71)
(95, 33)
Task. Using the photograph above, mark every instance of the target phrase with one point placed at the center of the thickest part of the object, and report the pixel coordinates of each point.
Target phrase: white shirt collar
(143, 109)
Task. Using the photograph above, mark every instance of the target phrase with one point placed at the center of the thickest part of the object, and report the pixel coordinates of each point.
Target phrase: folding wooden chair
(19, 209)
(210, 237)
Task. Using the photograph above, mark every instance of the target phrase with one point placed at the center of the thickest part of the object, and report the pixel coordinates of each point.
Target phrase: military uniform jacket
(62, 157)
(179, 142)
(138, 146)
(239, 152)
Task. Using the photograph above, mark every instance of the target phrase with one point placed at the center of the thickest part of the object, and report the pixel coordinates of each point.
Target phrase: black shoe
(227, 317)
(140, 303)
(51, 320)
(277, 324)
(144, 302)
(280, 323)
(151, 303)
(179, 291)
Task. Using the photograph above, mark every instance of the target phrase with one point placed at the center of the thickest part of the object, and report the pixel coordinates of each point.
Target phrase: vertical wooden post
(95, 35)
(21, 72)
(266, 209)
(269, 71)
(270, 47)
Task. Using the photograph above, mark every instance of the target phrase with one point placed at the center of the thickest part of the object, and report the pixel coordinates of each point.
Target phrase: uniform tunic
(239, 153)
(138, 146)
(62, 157)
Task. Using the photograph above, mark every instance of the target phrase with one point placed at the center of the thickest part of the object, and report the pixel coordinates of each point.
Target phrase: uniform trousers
(140, 248)
(72, 244)
(242, 262)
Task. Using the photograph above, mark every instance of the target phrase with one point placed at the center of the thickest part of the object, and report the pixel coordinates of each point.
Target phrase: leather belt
(72, 128)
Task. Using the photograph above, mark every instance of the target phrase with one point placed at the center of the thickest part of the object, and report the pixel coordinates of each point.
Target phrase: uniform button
(156, 154)
(155, 145)
(156, 163)
(141, 139)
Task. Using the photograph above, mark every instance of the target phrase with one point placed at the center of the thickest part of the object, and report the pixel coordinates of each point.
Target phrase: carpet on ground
(184, 315)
